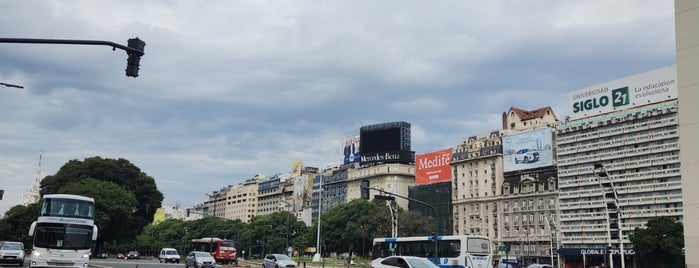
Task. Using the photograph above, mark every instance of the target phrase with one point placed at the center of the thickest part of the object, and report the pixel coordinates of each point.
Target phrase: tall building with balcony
(241, 201)
(491, 182)
(272, 192)
(476, 182)
(630, 127)
(215, 206)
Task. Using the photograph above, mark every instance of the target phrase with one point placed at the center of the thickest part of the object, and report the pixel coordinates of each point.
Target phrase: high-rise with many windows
(628, 126)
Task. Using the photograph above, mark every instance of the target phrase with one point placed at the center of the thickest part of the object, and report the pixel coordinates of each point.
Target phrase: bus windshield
(62, 236)
(67, 208)
(227, 244)
(478, 246)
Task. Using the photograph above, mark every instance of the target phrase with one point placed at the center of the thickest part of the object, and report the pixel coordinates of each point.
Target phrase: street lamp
(286, 243)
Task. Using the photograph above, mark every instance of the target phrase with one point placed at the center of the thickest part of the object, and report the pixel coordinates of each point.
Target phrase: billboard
(301, 188)
(433, 167)
(351, 151)
(621, 94)
(296, 168)
(533, 149)
(385, 143)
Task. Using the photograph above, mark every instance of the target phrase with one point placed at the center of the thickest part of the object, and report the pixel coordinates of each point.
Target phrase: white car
(199, 259)
(12, 252)
(278, 261)
(526, 156)
(537, 265)
(169, 255)
(402, 262)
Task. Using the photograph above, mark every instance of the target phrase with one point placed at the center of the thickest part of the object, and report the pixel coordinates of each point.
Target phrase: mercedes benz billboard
(385, 143)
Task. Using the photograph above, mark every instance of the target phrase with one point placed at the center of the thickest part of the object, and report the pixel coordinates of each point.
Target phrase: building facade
(639, 148)
(511, 200)
(476, 182)
(687, 42)
(392, 178)
(241, 201)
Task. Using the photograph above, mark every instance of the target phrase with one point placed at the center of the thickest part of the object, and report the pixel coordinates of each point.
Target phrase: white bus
(64, 231)
(454, 251)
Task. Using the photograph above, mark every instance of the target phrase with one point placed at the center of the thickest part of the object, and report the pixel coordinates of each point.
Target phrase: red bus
(222, 250)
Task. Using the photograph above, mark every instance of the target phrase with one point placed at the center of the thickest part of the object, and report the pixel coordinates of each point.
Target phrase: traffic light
(364, 187)
(2, 192)
(134, 59)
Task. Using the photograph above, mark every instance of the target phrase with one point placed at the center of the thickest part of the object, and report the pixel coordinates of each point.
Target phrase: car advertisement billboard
(351, 151)
(533, 149)
(433, 167)
(621, 94)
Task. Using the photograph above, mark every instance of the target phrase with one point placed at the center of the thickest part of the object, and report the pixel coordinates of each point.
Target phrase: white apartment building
(241, 201)
(635, 137)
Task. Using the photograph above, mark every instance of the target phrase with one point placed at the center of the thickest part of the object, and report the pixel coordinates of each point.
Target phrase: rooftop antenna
(31, 195)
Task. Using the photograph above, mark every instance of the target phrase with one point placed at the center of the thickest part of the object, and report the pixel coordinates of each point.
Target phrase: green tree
(15, 225)
(122, 219)
(660, 242)
(113, 208)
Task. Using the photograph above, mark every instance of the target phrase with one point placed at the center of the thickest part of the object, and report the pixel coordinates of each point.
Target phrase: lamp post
(286, 243)
(363, 227)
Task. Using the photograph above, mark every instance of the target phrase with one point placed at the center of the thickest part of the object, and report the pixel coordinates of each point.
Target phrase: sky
(230, 89)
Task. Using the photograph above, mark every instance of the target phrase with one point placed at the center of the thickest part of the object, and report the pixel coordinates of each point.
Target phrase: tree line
(126, 199)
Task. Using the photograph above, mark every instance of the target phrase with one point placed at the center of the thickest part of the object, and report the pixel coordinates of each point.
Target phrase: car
(12, 252)
(504, 264)
(120, 256)
(133, 255)
(199, 259)
(402, 262)
(538, 265)
(169, 255)
(526, 156)
(278, 261)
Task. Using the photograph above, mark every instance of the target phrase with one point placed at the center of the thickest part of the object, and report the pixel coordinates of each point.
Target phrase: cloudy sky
(230, 89)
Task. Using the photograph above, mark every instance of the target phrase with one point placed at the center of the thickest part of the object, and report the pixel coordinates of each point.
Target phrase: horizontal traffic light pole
(135, 48)
(71, 42)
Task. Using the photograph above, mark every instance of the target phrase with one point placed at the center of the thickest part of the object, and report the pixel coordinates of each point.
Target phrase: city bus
(222, 250)
(454, 251)
(63, 232)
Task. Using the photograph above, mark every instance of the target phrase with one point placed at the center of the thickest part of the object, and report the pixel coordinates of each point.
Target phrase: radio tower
(31, 195)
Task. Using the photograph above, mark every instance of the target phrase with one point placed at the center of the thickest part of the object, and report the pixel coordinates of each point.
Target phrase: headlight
(36, 253)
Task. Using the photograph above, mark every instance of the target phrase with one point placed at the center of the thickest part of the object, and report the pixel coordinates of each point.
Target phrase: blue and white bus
(63, 232)
(454, 251)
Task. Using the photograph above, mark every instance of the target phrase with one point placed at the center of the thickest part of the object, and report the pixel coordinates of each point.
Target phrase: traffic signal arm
(134, 49)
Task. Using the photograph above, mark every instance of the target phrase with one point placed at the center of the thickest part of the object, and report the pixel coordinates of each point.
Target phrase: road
(145, 263)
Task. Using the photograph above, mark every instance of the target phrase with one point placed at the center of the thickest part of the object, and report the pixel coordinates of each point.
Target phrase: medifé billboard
(433, 167)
